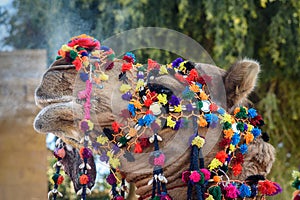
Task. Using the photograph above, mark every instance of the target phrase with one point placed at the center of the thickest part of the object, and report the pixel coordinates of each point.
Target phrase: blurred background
(31, 32)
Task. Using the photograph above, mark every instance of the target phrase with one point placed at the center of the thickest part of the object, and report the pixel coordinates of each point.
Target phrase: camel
(62, 111)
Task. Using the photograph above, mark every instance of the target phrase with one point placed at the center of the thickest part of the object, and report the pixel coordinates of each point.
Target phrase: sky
(5, 2)
(3, 32)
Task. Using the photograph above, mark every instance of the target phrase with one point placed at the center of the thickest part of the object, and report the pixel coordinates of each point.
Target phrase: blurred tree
(266, 30)
(3, 15)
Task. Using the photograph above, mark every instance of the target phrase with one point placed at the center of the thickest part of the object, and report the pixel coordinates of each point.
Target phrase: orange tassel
(83, 179)
(202, 122)
(228, 133)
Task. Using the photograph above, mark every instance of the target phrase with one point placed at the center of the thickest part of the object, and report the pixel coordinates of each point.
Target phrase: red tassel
(126, 67)
(152, 64)
(221, 156)
(115, 127)
(213, 107)
(266, 187)
(193, 75)
(237, 169)
(128, 59)
(60, 180)
(144, 142)
(148, 102)
(138, 148)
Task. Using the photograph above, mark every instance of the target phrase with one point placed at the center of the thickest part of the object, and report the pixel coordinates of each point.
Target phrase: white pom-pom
(159, 138)
(79, 192)
(81, 166)
(88, 166)
(150, 181)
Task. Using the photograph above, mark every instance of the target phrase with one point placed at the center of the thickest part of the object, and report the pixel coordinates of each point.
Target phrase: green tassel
(55, 177)
(73, 54)
(216, 192)
(202, 180)
(123, 140)
(296, 183)
(242, 114)
(199, 105)
(240, 126)
(226, 125)
(58, 57)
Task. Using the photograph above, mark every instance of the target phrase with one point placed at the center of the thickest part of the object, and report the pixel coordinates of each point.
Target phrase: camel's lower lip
(56, 118)
(43, 102)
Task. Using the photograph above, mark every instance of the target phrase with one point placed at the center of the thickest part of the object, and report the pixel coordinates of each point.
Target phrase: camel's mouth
(44, 101)
(55, 97)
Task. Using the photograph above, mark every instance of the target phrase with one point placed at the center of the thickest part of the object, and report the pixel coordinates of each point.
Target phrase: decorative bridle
(153, 107)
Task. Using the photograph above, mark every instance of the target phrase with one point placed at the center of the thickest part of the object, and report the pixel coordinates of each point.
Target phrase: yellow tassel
(125, 88)
(170, 122)
(250, 127)
(210, 197)
(182, 67)
(231, 147)
(226, 118)
(139, 84)
(215, 163)
(102, 140)
(104, 77)
(163, 70)
(177, 108)
(198, 141)
(162, 98)
(114, 162)
(66, 48)
(109, 154)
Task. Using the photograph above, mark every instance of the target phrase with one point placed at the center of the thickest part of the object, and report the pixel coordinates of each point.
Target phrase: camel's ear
(240, 80)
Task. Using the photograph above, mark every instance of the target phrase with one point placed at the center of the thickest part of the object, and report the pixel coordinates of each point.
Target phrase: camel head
(116, 91)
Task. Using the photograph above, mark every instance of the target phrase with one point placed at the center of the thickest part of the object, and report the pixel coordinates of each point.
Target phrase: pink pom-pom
(206, 173)
(166, 197)
(195, 176)
(160, 160)
(231, 191)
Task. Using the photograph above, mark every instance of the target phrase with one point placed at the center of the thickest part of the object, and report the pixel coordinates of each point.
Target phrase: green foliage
(266, 30)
